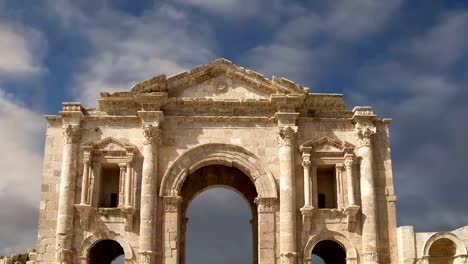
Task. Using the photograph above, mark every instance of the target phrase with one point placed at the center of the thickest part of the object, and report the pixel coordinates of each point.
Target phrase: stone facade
(315, 174)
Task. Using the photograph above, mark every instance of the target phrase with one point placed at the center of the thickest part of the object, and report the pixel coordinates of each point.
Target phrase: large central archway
(216, 176)
(245, 173)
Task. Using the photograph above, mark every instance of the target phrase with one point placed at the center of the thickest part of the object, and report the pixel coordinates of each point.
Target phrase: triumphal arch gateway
(118, 178)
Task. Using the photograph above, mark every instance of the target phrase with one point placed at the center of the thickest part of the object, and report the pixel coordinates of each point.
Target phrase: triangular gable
(109, 144)
(204, 73)
(327, 145)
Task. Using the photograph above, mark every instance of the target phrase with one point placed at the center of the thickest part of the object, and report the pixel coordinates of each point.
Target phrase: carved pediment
(109, 145)
(327, 145)
(219, 79)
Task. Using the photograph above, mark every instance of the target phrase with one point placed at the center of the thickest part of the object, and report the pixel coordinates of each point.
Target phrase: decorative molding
(285, 135)
(71, 133)
(326, 146)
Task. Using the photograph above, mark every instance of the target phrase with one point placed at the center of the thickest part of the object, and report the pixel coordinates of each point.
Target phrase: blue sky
(408, 59)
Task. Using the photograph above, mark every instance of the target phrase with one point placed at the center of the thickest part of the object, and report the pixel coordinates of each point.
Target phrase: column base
(288, 257)
(147, 257)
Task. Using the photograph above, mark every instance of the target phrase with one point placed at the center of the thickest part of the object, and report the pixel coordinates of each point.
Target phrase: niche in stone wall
(326, 187)
(109, 186)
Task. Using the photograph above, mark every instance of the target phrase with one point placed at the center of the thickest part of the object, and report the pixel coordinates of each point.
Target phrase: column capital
(285, 135)
(339, 166)
(123, 166)
(171, 203)
(151, 133)
(71, 133)
(147, 257)
(266, 204)
(349, 161)
(364, 127)
(288, 257)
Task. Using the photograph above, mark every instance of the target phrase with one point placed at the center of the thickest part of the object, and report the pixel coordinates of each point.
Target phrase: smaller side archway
(91, 241)
(329, 239)
(444, 247)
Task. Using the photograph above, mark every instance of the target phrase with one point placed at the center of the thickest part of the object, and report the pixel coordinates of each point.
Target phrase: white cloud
(21, 49)
(308, 46)
(22, 132)
(129, 49)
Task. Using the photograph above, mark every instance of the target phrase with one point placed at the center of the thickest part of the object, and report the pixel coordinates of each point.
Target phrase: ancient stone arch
(351, 252)
(218, 154)
(93, 239)
(460, 253)
(226, 155)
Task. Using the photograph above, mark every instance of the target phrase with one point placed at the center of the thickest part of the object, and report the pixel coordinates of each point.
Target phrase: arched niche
(454, 246)
(349, 248)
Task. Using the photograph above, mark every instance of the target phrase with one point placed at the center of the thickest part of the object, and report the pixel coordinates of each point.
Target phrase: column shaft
(369, 210)
(313, 170)
(65, 212)
(85, 183)
(148, 182)
(350, 181)
(287, 196)
(307, 196)
(128, 182)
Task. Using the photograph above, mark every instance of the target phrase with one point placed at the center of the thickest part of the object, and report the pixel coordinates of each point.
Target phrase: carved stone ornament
(364, 132)
(221, 86)
(305, 163)
(151, 133)
(266, 205)
(351, 212)
(171, 203)
(288, 257)
(285, 135)
(370, 257)
(65, 256)
(146, 257)
(71, 134)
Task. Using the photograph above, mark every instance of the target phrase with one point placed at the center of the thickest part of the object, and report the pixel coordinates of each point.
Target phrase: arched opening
(329, 252)
(220, 217)
(106, 252)
(442, 251)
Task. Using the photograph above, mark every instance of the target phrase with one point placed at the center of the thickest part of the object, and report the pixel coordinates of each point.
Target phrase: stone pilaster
(266, 209)
(287, 243)
(71, 114)
(364, 129)
(122, 176)
(171, 225)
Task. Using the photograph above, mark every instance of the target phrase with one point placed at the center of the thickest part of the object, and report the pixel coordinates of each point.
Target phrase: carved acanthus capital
(306, 164)
(288, 257)
(364, 132)
(150, 133)
(147, 257)
(285, 135)
(71, 134)
(266, 205)
(65, 256)
(370, 257)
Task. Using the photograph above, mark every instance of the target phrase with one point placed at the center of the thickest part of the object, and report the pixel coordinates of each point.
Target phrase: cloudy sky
(408, 59)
